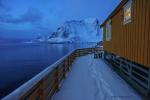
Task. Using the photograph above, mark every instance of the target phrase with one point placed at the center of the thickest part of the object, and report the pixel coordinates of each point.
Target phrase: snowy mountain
(77, 31)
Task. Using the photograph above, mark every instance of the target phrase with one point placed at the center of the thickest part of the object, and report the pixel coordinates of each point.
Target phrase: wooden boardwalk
(87, 79)
(92, 79)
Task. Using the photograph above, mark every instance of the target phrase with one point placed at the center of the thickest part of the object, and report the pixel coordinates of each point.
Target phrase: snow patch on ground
(92, 79)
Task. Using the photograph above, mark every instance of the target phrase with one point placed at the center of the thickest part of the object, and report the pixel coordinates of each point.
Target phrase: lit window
(127, 12)
(108, 30)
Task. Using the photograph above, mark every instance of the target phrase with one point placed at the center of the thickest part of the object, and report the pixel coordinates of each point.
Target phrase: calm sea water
(20, 62)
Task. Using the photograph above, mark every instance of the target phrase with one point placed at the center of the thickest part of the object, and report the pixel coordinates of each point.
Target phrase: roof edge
(121, 4)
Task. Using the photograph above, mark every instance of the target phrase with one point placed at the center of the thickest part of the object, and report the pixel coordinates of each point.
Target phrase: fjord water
(21, 62)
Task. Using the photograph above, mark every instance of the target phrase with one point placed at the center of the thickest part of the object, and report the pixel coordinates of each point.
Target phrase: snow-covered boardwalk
(92, 79)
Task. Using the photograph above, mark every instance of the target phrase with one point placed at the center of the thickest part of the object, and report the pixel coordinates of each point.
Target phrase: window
(103, 33)
(102, 30)
(108, 30)
(127, 12)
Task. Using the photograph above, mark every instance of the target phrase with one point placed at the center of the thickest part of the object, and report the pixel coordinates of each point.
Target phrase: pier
(77, 76)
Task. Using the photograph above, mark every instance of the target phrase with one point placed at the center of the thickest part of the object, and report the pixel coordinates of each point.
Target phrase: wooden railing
(137, 75)
(45, 84)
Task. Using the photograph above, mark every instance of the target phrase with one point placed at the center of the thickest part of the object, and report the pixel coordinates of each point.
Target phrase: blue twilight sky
(28, 18)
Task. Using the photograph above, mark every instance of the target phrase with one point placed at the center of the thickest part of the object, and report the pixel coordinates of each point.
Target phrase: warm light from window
(127, 12)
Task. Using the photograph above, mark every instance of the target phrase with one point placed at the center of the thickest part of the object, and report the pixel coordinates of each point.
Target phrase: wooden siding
(131, 40)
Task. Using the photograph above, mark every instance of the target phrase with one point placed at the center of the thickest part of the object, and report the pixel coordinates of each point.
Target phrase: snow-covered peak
(91, 20)
(77, 31)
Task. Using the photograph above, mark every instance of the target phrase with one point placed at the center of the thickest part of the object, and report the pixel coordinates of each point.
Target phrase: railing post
(130, 70)
(68, 63)
(57, 79)
(149, 79)
(70, 60)
(64, 69)
(41, 90)
(105, 53)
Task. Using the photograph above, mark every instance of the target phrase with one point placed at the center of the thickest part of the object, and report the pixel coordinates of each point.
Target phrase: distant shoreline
(47, 43)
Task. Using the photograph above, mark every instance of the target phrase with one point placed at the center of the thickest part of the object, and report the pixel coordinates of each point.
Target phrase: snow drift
(77, 31)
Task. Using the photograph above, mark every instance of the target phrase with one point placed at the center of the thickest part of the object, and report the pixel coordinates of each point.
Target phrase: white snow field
(92, 79)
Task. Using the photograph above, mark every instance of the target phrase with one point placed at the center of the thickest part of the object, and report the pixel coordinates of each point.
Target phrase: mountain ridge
(77, 31)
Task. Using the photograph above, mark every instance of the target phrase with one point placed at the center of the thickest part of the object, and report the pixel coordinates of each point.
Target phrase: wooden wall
(131, 41)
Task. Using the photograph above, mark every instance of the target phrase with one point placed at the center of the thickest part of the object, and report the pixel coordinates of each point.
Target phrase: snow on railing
(46, 83)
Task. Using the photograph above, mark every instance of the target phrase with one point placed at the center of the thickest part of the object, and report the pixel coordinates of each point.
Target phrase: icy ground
(92, 79)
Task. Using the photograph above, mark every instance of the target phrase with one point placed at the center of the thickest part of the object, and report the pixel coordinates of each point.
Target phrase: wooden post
(104, 54)
(57, 79)
(68, 63)
(149, 79)
(148, 95)
(41, 90)
(64, 69)
(130, 69)
(120, 67)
